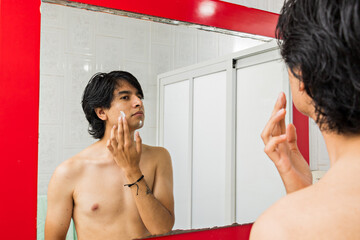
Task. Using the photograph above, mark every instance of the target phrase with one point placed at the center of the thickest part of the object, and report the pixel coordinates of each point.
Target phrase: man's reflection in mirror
(118, 187)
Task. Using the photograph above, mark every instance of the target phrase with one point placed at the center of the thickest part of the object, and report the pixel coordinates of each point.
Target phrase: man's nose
(137, 101)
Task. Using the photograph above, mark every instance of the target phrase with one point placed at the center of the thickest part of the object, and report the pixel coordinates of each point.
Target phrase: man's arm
(156, 209)
(60, 205)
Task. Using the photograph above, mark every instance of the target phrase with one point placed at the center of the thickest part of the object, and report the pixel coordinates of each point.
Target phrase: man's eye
(125, 97)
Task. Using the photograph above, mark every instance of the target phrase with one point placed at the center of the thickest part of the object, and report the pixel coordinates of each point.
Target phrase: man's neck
(342, 147)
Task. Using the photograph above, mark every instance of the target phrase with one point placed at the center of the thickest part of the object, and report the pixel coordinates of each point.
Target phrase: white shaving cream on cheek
(140, 123)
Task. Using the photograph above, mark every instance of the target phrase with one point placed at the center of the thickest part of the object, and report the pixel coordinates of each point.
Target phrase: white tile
(69, 152)
(75, 128)
(162, 33)
(207, 45)
(140, 71)
(185, 47)
(49, 148)
(226, 43)
(244, 43)
(148, 135)
(109, 53)
(137, 40)
(150, 102)
(162, 60)
(278, 5)
(150, 113)
(52, 51)
(79, 71)
(229, 44)
(109, 25)
(51, 99)
(263, 5)
(232, 1)
(52, 15)
(43, 182)
(80, 31)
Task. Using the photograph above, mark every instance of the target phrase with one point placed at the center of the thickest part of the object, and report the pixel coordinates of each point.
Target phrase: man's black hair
(321, 38)
(99, 93)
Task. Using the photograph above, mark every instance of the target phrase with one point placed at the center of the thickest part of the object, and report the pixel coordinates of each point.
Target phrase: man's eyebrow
(124, 92)
(127, 92)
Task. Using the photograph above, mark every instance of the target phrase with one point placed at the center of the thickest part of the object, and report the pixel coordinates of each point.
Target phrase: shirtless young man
(90, 187)
(321, 48)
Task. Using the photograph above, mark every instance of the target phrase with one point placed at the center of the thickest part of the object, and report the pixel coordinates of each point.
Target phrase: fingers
(272, 146)
(127, 138)
(120, 133)
(113, 142)
(138, 142)
(291, 137)
(272, 127)
(280, 103)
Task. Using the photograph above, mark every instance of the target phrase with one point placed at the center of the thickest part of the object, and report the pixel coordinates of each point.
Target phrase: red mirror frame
(19, 89)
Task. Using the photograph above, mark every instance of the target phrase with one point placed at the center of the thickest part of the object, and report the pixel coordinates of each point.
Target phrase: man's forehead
(124, 86)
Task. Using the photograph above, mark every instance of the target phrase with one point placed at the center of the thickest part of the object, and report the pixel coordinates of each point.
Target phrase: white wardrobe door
(258, 184)
(176, 141)
(209, 115)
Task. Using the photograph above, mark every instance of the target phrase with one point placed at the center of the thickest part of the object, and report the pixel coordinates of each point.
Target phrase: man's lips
(138, 113)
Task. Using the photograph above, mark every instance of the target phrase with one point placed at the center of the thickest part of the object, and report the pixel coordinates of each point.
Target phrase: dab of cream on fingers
(122, 114)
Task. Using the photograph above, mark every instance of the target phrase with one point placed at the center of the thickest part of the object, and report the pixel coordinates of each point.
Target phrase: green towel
(41, 215)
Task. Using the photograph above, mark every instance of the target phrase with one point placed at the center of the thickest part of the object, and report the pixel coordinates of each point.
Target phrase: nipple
(95, 207)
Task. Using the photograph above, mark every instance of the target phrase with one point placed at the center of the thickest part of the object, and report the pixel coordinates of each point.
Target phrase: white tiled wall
(77, 43)
(266, 5)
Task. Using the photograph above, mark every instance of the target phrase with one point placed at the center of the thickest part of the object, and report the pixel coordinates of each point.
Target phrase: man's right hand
(125, 151)
(281, 146)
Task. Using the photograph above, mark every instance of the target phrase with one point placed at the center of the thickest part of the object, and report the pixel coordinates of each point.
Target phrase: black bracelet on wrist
(135, 183)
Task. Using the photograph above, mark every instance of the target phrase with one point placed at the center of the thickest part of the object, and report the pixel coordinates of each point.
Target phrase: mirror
(76, 43)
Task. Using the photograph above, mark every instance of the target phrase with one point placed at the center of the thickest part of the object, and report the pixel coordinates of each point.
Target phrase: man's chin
(139, 125)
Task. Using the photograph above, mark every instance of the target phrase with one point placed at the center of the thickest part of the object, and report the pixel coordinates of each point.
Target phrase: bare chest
(101, 193)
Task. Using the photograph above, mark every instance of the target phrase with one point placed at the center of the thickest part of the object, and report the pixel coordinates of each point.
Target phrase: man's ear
(101, 113)
(301, 83)
(301, 86)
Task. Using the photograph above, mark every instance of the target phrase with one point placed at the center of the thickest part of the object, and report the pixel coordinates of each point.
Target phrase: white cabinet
(210, 118)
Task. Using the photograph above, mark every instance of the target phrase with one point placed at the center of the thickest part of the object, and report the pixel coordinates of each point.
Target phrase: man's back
(91, 187)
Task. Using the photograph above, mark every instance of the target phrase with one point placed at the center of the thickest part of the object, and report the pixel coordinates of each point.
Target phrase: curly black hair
(321, 38)
(99, 93)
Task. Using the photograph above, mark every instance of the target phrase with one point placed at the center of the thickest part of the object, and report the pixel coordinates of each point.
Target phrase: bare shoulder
(278, 221)
(158, 153)
(321, 210)
(68, 171)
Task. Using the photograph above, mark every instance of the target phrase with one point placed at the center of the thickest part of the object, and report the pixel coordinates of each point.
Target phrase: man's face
(126, 98)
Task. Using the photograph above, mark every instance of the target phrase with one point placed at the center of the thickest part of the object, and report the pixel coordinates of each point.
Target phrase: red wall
(19, 90)
(19, 101)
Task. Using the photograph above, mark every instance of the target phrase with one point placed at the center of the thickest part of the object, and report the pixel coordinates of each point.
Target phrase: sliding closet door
(210, 119)
(260, 79)
(209, 150)
(176, 141)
